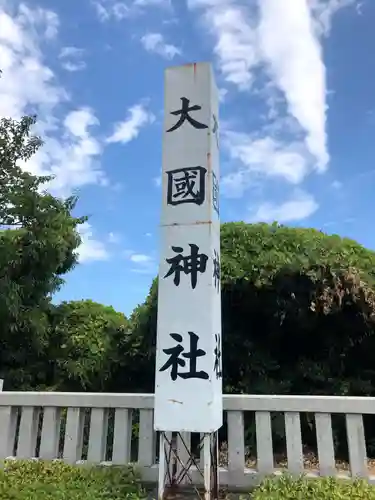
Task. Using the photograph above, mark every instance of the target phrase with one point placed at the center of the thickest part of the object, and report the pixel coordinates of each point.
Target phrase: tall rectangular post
(188, 379)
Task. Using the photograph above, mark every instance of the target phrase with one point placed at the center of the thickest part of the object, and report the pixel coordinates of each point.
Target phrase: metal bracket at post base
(173, 471)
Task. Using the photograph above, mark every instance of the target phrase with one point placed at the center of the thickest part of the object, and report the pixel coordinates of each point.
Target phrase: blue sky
(296, 80)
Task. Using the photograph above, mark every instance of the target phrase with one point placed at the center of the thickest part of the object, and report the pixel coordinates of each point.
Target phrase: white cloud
(119, 10)
(106, 10)
(157, 181)
(77, 122)
(153, 3)
(40, 19)
(222, 94)
(26, 81)
(234, 184)
(102, 12)
(235, 36)
(91, 249)
(337, 185)
(277, 46)
(155, 43)
(73, 65)
(324, 10)
(263, 158)
(74, 158)
(71, 58)
(127, 130)
(71, 151)
(294, 58)
(359, 8)
(299, 207)
(142, 263)
(114, 237)
(140, 258)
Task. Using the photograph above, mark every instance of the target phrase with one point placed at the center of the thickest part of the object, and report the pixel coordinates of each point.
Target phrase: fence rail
(118, 429)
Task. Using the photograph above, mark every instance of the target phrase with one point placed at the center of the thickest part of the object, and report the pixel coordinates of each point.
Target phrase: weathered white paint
(235, 475)
(27, 432)
(184, 308)
(162, 466)
(324, 438)
(122, 436)
(50, 433)
(73, 435)
(99, 429)
(146, 443)
(236, 445)
(356, 445)
(264, 441)
(207, 466)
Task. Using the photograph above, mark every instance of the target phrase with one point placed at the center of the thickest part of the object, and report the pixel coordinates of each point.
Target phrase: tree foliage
(298, 317)
(295, 298)
(298, 312)
(298, 305)
(83, 349)
(137, 349)
(38, 239)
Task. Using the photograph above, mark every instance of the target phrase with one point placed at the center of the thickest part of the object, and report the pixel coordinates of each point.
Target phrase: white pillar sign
(188, 380)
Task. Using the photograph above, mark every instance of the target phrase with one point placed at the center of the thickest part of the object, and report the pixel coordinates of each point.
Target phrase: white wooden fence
(51, 425)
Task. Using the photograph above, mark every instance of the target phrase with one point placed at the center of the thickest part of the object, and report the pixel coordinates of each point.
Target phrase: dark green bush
(298, 317)
(43, 480)
(302, 488)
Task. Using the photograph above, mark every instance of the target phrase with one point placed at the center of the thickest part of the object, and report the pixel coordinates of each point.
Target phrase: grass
(286, 487)
(56, 480)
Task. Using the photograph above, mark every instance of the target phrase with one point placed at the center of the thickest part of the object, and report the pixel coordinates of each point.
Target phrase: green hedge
(288, 488)
(42, 480)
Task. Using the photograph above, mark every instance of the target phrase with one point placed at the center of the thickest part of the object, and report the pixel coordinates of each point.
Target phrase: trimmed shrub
(55, 480)
(288, 488)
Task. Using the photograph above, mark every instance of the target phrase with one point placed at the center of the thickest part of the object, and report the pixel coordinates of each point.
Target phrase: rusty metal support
(175, 471)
